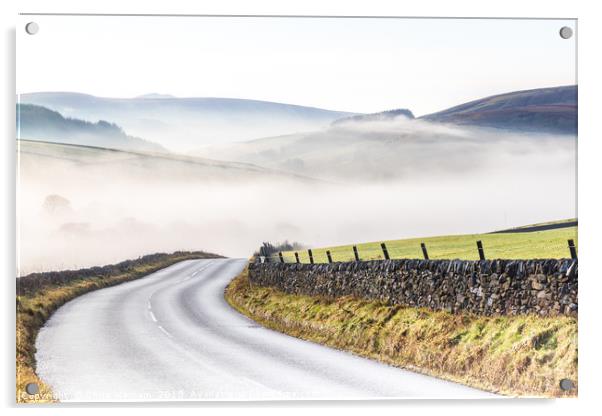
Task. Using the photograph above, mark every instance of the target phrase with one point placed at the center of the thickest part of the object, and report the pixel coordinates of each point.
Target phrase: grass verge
(35, 306)
(511, 355)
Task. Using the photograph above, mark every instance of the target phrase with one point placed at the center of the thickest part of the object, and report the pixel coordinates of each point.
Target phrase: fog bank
(81, 210)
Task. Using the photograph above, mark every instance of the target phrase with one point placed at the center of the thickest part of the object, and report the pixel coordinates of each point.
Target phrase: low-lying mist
(77, 211)
(399, 149)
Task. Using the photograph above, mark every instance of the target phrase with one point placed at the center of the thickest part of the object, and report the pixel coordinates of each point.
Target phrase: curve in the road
(172, 336)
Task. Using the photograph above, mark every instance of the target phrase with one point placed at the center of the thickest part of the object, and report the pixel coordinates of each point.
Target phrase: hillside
(397, 149)
(551, 243)
(139, 166)
(393, 145)
(39, 123)
(188, 123)
(381, 116)
(544, 110)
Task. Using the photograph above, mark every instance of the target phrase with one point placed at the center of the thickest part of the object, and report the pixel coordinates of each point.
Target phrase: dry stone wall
(486, 287)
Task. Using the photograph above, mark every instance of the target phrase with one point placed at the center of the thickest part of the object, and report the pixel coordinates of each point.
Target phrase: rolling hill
(543, 110)
(398, 149)
(188, 123)
(381, 116)
(129, 166)
(393, 145)
(39, 123)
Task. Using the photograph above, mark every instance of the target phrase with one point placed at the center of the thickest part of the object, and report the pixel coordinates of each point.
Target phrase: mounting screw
(566, 32)
(566, 384)
(32, 28)
(32, 388)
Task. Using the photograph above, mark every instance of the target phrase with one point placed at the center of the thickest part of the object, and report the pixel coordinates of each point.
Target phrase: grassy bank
(548, 244)
(41, 294)
(519, 355)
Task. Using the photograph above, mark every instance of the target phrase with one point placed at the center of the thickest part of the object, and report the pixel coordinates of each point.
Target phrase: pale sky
(360, 65)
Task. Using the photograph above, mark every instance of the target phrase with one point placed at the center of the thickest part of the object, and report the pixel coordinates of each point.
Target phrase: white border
(590, 138)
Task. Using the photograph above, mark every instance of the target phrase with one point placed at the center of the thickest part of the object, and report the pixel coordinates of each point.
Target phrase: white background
(590, 151)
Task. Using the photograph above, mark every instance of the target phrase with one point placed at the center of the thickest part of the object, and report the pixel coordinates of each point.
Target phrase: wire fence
(488, 246)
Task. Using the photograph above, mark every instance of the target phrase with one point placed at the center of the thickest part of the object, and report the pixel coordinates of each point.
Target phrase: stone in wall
(487, 287)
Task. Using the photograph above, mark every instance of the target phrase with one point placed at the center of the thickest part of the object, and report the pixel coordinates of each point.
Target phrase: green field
(525, 245)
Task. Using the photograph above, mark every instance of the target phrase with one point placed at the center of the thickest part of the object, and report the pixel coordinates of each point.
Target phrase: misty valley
(101, 180)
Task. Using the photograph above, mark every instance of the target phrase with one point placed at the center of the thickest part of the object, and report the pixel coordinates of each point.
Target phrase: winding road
(172, 336)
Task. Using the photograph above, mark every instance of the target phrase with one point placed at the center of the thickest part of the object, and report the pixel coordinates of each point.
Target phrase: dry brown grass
(512, 355)
(33, 310)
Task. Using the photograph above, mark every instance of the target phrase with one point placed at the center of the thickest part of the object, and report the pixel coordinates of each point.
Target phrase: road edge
(34, 310)
(314, 331)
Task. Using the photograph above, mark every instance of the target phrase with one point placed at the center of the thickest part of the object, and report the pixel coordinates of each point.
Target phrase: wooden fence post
(424, 252)
(281, 257)
(481, 251)
(297, 257)
(572, 249)
(311, 256)
(356, 254)
(266, 255)
(329, 256)
(385, 251)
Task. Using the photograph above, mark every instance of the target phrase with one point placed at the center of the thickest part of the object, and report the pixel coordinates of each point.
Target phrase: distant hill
(39, 123)
(545, 110)
(97, 163)
(397, 150)
(381, 116)
(392, 145)
(189, 123)
(154, 95)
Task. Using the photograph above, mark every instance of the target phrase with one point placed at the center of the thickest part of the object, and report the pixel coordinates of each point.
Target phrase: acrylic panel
(274, 208)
